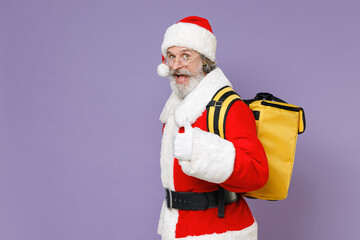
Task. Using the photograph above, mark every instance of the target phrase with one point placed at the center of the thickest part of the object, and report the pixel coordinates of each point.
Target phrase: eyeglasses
(185, 59)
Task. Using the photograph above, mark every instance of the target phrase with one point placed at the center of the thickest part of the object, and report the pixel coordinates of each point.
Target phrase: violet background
(80, 100)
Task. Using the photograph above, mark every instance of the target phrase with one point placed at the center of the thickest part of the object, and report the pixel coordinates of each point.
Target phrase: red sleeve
(250, 167)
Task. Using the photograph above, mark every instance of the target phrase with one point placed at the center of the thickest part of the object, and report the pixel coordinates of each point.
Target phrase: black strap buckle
(214, 104)
(221, 202)
(218, 104)
(168, 198)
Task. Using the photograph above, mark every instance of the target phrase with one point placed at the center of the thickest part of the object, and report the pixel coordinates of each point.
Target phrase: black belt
(200, 201)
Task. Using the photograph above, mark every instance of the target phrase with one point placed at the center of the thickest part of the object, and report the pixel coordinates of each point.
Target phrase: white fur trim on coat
(194, 104)
(168, 218)
(167, 222)
(169, 107)
(166, 154)
(212, 158)
(191, 36)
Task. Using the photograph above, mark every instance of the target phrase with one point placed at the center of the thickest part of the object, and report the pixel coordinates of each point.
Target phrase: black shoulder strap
(218, 108)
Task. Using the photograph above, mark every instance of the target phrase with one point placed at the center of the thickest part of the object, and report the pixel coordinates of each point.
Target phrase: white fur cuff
(212, 157)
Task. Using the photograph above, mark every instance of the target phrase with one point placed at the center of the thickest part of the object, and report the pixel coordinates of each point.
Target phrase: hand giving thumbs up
(182, 145)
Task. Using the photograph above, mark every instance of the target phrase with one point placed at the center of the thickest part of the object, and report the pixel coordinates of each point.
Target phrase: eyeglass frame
(187, 62)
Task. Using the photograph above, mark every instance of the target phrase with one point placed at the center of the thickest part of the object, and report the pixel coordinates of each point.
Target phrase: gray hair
(208, 65)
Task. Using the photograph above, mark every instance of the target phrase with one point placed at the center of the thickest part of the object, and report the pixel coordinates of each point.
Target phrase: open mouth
(180, 79)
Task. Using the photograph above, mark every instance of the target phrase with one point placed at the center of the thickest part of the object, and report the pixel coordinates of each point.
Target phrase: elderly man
(201, 171)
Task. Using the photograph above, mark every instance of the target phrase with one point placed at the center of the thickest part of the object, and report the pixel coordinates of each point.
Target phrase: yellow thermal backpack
(277, 126)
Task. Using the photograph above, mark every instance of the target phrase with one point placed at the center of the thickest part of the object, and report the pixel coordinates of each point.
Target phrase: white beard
(182, 90)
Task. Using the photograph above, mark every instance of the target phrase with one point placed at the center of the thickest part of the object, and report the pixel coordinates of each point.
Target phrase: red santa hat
(191, 32)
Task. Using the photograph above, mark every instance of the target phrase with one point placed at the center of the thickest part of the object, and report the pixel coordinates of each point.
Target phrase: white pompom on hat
(163, 69)
(192, 32)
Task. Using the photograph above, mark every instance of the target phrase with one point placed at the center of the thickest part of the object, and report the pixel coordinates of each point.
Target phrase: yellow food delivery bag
(277, 125)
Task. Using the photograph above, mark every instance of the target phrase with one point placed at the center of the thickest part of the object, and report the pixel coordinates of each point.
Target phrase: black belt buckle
(168, 198)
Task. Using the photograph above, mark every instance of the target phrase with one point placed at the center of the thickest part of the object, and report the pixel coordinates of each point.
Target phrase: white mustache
(181, 72)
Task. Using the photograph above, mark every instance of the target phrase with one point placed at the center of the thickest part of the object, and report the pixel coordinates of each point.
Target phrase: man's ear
(206, 68)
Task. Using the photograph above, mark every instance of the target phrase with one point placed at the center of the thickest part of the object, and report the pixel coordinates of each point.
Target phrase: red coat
(238, 163)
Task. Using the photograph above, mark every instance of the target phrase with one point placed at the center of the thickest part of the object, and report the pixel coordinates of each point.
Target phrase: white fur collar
(194, 104)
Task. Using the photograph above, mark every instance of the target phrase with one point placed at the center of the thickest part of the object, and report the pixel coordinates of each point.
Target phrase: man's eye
(186, 56)
(171, 57)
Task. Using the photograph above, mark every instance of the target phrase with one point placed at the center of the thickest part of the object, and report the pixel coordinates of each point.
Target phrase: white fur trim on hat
(163, 70)
(192, 36)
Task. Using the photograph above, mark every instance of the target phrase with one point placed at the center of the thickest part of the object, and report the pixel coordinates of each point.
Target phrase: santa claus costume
(237, 163)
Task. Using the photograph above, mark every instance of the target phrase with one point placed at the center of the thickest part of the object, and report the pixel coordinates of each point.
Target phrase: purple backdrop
(80, 100)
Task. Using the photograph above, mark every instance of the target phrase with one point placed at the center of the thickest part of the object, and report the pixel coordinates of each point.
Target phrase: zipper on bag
(294, 109)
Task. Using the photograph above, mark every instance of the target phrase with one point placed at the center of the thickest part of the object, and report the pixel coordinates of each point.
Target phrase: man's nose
(177, 64)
